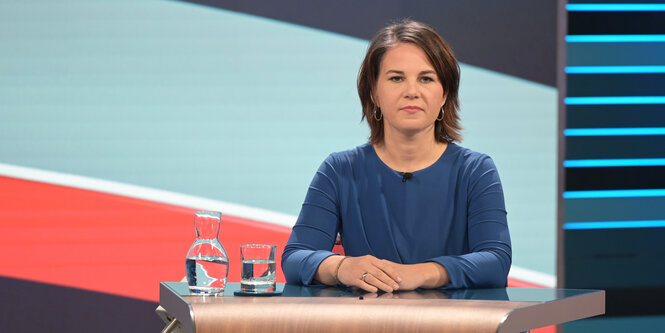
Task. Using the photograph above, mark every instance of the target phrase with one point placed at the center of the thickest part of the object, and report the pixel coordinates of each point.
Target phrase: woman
(414, 210)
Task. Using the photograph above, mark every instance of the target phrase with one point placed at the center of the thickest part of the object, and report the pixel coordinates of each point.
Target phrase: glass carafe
(207, 262)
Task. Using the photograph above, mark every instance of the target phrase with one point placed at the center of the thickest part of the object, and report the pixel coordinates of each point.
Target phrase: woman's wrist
(327, 273)
(336, 274)
(434, 275)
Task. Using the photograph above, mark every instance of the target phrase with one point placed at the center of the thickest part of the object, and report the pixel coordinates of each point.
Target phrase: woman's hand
(369, 273)
(372, 274)
(427, 275)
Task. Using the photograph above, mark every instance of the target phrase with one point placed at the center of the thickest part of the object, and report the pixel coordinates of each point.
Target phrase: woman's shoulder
(355, 155)
(346, 163)
(470, 159)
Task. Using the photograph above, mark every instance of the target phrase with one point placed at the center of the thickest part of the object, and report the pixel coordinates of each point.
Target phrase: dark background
(516, 37)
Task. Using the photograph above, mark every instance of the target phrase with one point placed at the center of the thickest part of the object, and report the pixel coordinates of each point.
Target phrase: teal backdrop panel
(227, 106)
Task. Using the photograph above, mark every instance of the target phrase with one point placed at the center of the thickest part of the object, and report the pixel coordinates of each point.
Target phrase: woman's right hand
(378, 274)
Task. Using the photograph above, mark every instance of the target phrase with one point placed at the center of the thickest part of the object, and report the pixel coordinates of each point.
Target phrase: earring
(380, 116)
(440, 117)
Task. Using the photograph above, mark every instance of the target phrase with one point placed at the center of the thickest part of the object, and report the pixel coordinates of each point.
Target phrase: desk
(328, 309)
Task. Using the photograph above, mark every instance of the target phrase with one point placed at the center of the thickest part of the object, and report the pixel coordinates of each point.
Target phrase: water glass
(257, 269)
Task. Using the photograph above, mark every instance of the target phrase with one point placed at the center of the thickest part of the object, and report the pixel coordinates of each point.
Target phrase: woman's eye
(395, 78)
(427, 79)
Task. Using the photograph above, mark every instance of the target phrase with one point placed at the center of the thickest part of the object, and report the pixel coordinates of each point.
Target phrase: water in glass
(258, 275)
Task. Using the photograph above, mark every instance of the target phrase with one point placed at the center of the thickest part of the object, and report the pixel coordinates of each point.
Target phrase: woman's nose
(411, 90)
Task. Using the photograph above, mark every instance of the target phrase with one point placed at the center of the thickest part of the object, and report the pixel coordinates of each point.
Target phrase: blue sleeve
(313, 235)
(489, 258)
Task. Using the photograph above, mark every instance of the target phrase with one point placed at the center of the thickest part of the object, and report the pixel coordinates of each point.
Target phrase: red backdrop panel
(108, 243)
(113, 244)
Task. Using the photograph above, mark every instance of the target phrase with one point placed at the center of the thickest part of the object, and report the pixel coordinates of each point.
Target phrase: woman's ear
(371, 96)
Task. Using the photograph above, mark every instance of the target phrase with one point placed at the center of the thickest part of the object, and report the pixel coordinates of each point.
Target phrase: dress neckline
(444, 155)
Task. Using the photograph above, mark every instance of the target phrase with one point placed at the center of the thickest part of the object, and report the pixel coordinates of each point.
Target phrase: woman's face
(408, 91)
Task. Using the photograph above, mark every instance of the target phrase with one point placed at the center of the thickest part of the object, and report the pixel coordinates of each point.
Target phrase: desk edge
(176, 307)
(558, 312)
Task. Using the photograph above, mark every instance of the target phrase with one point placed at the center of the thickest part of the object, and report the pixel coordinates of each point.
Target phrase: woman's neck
(410, 153)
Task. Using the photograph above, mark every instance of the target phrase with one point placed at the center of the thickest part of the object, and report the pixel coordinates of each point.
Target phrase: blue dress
(451, 213)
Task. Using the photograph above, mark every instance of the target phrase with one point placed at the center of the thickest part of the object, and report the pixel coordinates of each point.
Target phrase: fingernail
(396, 287)
(399, 279)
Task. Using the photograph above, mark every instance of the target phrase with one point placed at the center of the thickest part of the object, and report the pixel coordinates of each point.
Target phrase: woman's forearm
(434, 275)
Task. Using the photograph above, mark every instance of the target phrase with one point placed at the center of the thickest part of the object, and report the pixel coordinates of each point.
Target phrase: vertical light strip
(614, 131)
(614, 69)
(613, 225)
(627, 162)
(615, 7)
(614, 194)
(614, 38)
(606, 100)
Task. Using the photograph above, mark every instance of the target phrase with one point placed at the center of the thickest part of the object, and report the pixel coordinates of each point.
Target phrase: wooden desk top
(317, 309)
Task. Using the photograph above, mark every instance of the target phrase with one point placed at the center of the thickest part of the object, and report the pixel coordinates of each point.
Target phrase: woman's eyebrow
(402, 72)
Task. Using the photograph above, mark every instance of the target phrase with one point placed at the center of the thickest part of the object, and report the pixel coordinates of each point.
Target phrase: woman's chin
(413, 128)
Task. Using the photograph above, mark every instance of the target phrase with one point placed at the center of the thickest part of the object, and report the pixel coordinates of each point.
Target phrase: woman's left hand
(427, 275)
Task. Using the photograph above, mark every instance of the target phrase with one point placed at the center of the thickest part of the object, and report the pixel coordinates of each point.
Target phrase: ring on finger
(364, 276)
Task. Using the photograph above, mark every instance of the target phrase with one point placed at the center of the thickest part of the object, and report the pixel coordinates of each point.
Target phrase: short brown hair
(439, 54)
